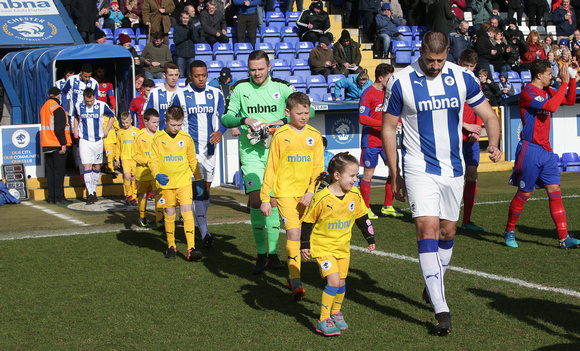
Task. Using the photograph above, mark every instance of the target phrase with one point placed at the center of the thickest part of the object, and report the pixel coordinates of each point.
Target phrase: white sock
(96, 178)
(206, 204)
(433, 277)
(445, 258)
(88, 181)
(200, 219)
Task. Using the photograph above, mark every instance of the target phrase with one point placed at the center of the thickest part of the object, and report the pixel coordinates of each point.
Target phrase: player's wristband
(284, 121)
(243, 120)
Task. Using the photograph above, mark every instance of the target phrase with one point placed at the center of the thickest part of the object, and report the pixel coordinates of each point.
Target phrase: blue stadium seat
(315, 96)
(316, 84)
(513, 77)
(332, 79)
(203, 52)
(415, 45)
(141, 33)
(108, 33)
(158, 82)
(292, 17)
(560, 163)
(289, 35)
(406, 32)
(495, 76)
(285, 51)
(127, 31)
(517, 88)
(403, 51)
(270, 35)
(526, 76)
(328, 97)
(303, 49)
(139, 49)
(171, 33)
(242, 51)
(296, 81)
(300, 67)
(571, 161)
(237, 66)
(280, 67)
(267, 47)
(214, 66)
(239, 75)
(275, 16)
(181, 82)
(232, 35)
(223, 52)
(418, 31)
(400, 45)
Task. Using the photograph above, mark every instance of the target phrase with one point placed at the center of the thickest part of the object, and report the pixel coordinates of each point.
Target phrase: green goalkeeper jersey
(265, 103)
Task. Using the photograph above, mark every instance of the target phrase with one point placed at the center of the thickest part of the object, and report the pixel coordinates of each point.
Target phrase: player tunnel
(33, 72)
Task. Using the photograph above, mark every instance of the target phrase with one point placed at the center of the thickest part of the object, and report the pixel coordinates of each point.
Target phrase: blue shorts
(535, 167)
(471, 153)
(369, 157)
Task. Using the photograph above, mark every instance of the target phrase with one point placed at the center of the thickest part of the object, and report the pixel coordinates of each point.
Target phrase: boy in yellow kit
(296, 158)
(145, 180)
(110, 145)
(125, 139)
(172, 163)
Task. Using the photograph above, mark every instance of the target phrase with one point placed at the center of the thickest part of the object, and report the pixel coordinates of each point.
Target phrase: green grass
(115, 291)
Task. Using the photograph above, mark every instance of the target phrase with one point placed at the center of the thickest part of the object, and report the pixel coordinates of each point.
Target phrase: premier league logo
(20, 138)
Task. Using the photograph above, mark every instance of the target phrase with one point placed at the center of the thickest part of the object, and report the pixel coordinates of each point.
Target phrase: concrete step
(74, 188)
(494, 167)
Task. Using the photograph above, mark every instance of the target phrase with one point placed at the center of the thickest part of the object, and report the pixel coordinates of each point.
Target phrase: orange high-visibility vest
(47, 136)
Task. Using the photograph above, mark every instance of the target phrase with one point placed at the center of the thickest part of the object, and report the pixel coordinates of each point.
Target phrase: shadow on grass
(359, 284)
(406, 214)
(544, 315)
(228, 201)
(539, 232)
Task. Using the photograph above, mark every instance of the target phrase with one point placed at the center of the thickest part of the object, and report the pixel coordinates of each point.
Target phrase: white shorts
(91, 152)
(434, 196)
(206, 167)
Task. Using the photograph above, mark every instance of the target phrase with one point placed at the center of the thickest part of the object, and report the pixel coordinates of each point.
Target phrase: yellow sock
(127, 187)
(328, 296)
(143, 206)
(293, 258)
(338, 299)
(189, 228)
(158, 209)
(170, 230)
(134, 190)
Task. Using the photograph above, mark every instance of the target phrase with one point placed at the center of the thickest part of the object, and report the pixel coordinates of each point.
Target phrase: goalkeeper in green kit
(260, 101)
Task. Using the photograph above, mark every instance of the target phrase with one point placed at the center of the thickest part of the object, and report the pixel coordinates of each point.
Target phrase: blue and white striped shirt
(203, 111)
(160, 99)
(74, 89)
(431, 109)
(91, 119)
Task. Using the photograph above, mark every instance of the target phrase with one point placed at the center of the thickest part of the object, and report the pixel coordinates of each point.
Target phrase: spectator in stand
(104, 12)
(125, 41)
(516, 6)
(513, 28)
(247, 19)
(154, 56)
(224, 82)
(486, 49)
(156, 13)
(534, 50)
(299, 5)
(100, 37)
(575, 42)
(396, 9)
(115, 14)
(489, 88)
(564, 18)
(314, 23)
(458, 6)
(565, 58)
(576, 62)
(512, 54)
(494, 22)
(495, 14)
(322, 59)
(506, 88)
(180, 6)
(499, 63)
(350, 13)
(185, 37)
(443, 17)
(369, 9)
(459, 40)
(556, 80)
(213, 24)
(195, 22)
(387, 24)
(132, 11)
(549, 45)
(84, 14)
(563, 44)
(353, 87)
(347, 54)
(535, 11)
(482, 11)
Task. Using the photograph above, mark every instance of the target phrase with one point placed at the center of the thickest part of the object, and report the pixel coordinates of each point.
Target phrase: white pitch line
(61, 216)
(476, 273)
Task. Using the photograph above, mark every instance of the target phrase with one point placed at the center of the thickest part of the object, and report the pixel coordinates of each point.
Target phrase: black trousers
(212, 39)
(55, 166)
(251, 23)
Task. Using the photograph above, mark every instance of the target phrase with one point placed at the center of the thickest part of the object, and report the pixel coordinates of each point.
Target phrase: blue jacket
(353, 91)
(247, 10)
(386, 25)
(563, 28)
(457, 43)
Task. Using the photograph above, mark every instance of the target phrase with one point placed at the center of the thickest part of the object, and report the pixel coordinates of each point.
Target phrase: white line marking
(61, 216)
(476, 273)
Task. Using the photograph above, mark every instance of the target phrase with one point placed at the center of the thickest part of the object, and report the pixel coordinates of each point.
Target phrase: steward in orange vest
(54, 137)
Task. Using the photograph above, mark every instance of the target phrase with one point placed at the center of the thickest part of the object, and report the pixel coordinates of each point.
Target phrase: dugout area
(33, 72)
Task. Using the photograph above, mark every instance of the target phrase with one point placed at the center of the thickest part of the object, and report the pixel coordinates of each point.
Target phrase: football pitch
(113, 290)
